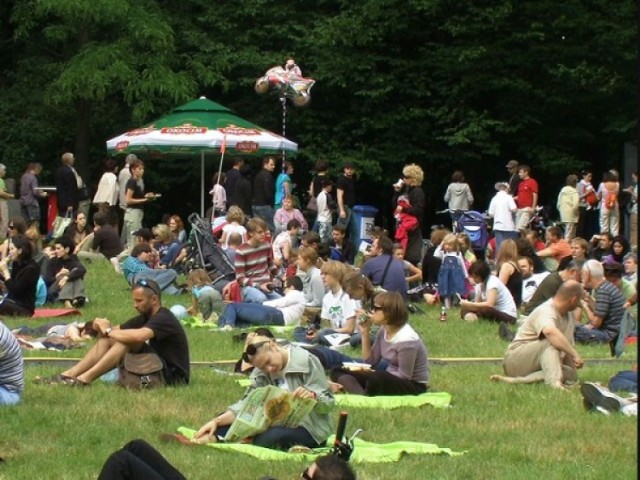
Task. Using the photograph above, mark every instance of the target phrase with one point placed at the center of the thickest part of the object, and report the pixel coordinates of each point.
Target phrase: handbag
(140, 371)
(60, 224)
(591, 198)
(312, 204)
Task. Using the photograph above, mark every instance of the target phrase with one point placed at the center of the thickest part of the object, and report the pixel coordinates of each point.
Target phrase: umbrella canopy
(196, 129)
(200, 126)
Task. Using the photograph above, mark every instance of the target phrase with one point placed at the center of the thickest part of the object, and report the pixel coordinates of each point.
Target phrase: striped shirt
(253, 264)
(11, 364)
(610, 307)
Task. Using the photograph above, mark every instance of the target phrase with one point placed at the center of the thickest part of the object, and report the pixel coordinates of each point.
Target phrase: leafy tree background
(447, 85)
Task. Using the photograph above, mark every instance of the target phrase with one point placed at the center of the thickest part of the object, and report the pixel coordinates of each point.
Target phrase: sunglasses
(252, 349)
(151, 286)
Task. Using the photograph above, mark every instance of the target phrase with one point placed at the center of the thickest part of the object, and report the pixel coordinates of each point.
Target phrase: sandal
(52, 380)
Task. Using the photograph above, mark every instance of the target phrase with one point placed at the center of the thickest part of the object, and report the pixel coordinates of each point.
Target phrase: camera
(399, 184)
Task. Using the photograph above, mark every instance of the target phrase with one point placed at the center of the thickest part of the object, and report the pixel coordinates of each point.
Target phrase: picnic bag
(60, 224)
(141, 371)
(591, 198)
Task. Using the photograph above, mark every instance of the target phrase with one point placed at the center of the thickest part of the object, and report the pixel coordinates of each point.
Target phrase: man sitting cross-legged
(155, 330)
(543, 348)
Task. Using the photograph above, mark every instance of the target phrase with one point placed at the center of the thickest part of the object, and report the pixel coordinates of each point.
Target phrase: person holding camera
(413, 205)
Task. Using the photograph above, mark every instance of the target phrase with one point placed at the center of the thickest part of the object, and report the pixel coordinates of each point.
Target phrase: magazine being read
(265, 407)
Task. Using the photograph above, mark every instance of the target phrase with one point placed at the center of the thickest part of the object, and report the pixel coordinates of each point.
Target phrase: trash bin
(364, 216)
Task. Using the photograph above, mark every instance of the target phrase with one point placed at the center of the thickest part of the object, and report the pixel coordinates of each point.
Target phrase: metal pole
(202, 183)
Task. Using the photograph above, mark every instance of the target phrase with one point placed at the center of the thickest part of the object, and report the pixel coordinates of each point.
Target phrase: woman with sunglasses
(20, 280)
(17, 226)
(407, 370)
(290, 368)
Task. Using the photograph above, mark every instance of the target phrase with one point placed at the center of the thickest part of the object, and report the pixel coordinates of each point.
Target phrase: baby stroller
(474, 224)
(206, 253)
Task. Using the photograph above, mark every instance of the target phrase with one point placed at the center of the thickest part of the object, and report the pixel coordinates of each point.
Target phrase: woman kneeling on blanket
(407, 371)
(290, 368)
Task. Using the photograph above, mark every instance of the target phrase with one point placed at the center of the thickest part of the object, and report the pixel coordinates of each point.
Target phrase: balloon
(287, 83)
(179, 311)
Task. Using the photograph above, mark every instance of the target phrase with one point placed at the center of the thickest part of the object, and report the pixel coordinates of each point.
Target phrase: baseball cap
(501, 185)
(145, 233)
(512, 164)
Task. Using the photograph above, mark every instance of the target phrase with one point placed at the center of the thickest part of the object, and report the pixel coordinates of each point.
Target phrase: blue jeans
(349, 223)
(625, 381)
(8, 398)
(164, 279)
(266, 213)
(255, 295)
(280, 438)
(502, 235)
(583, 334)
(250, 314)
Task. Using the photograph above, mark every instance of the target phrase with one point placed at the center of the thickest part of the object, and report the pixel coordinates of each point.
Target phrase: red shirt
(526, 188)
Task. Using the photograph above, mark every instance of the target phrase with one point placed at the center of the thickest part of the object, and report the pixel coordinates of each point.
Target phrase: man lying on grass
(543, 347)
(155, 330)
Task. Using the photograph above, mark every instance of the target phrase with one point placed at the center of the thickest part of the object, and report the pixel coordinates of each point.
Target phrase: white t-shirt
(324, 213)
(278, 244)
(531, 284)
(338, 308)
(230, 228)
(291, 306)
(501, 209)
(504, 299)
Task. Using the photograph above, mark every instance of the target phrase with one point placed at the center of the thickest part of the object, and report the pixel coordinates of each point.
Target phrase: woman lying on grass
(74, 331)
(397, 344)
(290, 368)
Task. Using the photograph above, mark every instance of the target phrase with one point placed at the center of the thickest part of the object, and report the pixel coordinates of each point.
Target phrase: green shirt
(3, 188)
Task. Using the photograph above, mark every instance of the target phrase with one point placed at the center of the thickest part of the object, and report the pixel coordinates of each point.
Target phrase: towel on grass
(193, 322)
(364, 452)
(435, 399)
(54, 312)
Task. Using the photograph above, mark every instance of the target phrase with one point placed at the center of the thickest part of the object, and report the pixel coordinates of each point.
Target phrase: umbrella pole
(202, 183)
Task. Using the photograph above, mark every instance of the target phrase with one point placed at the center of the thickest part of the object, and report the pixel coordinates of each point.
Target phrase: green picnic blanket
(435, 399)
(364, 452)
(193, 322)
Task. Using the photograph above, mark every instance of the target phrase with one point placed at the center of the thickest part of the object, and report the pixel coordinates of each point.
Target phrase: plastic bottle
(443, 314)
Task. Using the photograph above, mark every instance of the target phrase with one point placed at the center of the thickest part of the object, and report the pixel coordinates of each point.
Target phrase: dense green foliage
(446, 85)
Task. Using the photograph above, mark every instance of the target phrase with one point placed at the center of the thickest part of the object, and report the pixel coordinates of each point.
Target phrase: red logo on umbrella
(185, 129)
(247, 147)
(122, 146)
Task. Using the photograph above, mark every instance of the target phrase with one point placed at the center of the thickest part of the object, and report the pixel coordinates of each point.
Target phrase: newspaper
(265, 407)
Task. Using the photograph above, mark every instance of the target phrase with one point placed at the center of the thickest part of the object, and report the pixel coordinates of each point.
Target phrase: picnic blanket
(435, 399)
(194, 322)
(54, 312)
(46, 343)
(364, 452)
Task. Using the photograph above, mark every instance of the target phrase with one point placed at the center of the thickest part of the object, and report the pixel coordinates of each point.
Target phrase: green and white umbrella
(197, 129)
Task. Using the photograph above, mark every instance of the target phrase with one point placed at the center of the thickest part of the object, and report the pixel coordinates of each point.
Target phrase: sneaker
(227, 328)
(504, 333)
(601, 398)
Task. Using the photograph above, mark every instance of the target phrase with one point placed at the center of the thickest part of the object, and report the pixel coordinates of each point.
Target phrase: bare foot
(336, 387)
(501, 378)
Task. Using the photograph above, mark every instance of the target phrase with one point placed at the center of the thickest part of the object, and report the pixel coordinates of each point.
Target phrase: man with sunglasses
(155, 330)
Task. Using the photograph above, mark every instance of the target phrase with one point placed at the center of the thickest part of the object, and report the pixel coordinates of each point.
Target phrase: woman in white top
(493, 300)
(567, 204)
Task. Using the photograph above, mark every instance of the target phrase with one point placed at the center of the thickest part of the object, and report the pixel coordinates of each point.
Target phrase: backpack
(140, 371)
(611, 200)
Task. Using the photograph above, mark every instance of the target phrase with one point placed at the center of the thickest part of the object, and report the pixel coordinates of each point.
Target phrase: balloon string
(283, 100)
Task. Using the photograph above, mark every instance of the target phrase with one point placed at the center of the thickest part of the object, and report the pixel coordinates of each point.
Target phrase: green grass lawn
(507, 432)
